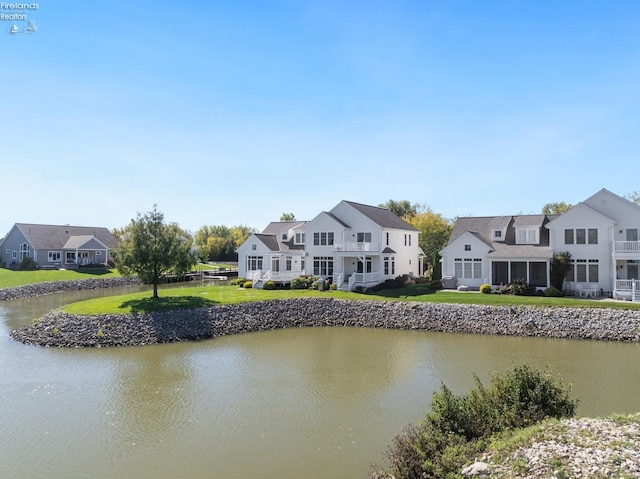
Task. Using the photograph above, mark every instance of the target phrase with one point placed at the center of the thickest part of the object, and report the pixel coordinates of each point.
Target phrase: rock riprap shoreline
(60, 329)
(42, 289)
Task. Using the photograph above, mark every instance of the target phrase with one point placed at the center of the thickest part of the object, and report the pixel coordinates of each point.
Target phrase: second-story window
(323, 238)
(363, 237)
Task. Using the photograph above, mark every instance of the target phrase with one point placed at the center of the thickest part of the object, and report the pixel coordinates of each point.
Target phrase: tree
(403, 208)
(633, 196)
(150, 248)
(288, 217)
(221, 242)
(559, 267)
(555, 208)
(434, 234)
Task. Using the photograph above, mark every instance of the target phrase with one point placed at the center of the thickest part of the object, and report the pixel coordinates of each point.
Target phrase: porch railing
(627, 247)
(354, 246)
(627, 284)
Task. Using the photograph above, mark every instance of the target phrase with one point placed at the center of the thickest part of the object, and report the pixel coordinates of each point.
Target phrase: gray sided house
(53, 246)
(499, 250)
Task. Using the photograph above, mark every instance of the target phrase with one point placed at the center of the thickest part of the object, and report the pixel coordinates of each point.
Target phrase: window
(24, 250)
(287, 263)
(393, 265)
(497, 234)
(409, 240)
(54, 256)
(468, 268)
(9, 251)
(14, 255)
(361, 269)
(254, 263)
(70, 257)
(526, 235)
(387, 240)
(284, 236)
(299, 238)
(302, 264)
(363, 237)
(323, 239)
(253, 247)
(581, 237)
(386, 265)
(583, 271)
(467, 247)
(592, 236)
(98, 253)
(275, 264)
(568, 236)
(405, 239)
(323, 265)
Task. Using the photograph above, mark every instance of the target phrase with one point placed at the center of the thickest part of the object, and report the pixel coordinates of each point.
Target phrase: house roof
(482, 228)
(276, 227)
(48, 237)
(75, 242)
(382, 216)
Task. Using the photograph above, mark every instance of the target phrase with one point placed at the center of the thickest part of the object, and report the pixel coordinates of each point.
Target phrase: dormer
(498, 234)
(527, 228)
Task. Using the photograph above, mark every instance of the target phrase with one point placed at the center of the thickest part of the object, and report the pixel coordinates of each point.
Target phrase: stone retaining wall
(41, 289)
(60, 329)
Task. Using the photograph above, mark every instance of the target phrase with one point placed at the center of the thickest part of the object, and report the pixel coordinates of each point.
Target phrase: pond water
(312, 403)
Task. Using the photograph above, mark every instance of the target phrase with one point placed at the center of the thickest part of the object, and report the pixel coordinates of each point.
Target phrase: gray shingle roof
(382, 216)
(482, 227)
(50, 237)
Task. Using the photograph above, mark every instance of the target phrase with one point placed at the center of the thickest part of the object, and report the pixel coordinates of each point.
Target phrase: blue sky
(235, 112)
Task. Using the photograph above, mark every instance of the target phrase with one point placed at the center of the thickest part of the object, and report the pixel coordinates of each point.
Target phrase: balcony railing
(354, 246)
(627, 247)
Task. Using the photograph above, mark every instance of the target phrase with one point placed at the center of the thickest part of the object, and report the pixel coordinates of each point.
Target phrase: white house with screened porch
(353, 245)
(602, 234)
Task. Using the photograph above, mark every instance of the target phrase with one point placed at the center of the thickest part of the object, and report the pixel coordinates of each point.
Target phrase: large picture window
(468, 268)
(254, 263)
(53, 256)
(323, 265)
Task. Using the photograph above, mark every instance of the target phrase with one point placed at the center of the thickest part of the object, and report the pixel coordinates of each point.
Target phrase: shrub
(303, 282)
(237, 281)
(552, 292)
(247, 284)
(111, 263)
(28, 263)
(269, 285)
(457, 428)
(333, 286)
(485, 288)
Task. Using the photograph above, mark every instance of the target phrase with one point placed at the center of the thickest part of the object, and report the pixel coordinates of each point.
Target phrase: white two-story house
(602, 234)
(353, 244)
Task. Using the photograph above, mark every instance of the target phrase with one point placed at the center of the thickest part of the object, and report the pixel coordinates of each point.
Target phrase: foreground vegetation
(459, 428)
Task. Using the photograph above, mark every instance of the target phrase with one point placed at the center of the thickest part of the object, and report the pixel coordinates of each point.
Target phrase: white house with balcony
(352, 244)
(602, 234)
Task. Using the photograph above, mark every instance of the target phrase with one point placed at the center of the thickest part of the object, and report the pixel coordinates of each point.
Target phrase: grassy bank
(13, 278)
(193, 297)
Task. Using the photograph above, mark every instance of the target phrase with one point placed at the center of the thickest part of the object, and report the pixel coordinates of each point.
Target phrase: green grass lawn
(10, 278)
(201, 296)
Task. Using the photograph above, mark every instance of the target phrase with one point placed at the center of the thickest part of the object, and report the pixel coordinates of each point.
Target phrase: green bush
(247, 284)
(333, 286)
(269, 285)
(458, 427)
(303, 282)
(552, 292)
(237, 281)
(28, 263)
(485, 288)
